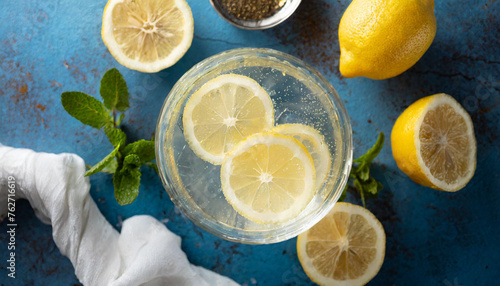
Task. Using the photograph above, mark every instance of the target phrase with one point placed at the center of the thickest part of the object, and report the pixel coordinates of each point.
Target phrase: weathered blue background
(433, 238)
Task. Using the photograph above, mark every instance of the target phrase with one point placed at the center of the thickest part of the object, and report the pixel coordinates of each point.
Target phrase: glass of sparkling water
(300, 94)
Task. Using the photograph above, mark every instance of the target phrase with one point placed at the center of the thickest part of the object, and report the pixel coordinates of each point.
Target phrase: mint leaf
(359, 186)
(85, 108)
(366, 185)
(143, 148)
(373, 152)
(120, 119)
(363, 172)
(114, 90)
(371, 187)
(126, 182)
(111, 167)
(132, 160)
(115, 135)
(104, 162)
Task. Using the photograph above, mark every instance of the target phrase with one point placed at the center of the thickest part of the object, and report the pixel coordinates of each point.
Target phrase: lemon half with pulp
(147, 35)
(433, 143)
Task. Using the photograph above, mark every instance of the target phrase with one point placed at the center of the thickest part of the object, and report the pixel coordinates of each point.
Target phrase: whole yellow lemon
(380, 39)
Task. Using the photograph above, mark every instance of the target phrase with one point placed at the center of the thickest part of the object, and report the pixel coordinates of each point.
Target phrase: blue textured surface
(433, 238)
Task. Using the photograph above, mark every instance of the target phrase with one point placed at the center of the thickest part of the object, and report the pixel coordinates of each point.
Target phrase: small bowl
(281, 15)
(300, 94)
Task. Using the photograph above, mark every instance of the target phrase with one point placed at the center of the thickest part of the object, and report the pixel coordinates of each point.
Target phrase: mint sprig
(366, 185)
(125, 160)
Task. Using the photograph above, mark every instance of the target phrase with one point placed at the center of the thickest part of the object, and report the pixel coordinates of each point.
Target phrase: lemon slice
(347, 247)
(147, 35)
(315, 144)
(268, 178)
(433, 143)
(223, 112)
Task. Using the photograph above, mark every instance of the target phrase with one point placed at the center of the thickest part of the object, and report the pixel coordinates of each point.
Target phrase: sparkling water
(297, 98)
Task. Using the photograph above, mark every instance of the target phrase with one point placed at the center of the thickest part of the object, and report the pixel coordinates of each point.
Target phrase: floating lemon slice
(147, 35)
(224, 111)
(315, 145)
(433, 143)
(347, 247)
(268, 178)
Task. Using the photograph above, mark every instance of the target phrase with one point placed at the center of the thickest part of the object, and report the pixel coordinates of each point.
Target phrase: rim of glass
(222, 230)
(266, 23)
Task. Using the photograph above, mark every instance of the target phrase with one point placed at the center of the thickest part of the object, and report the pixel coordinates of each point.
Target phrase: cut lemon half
(433, 143)
(147, 35)
(315, 144)
(224, 111)
(347, 247)
(268, 178)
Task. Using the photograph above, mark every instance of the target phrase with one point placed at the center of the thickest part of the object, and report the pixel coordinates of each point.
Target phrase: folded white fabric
(145, 253)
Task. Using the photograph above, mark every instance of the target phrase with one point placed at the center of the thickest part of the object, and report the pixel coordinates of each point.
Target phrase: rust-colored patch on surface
(23, 89)
(41, 107)
(40, 16)
(20, 90)
(95, 73)
(75, 69)
(54, 83)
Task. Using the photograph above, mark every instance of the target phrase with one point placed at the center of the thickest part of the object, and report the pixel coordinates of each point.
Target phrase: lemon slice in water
(224, 111)
(315, 144)
(268, 178)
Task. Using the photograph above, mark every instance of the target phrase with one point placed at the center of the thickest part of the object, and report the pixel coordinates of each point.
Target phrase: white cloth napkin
(145, 253)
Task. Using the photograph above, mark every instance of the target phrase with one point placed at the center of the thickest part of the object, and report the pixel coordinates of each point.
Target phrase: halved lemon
(268, 178)
(347, 247)
(224, 111)
(147, 35)
(433, 143)
(315, 144)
